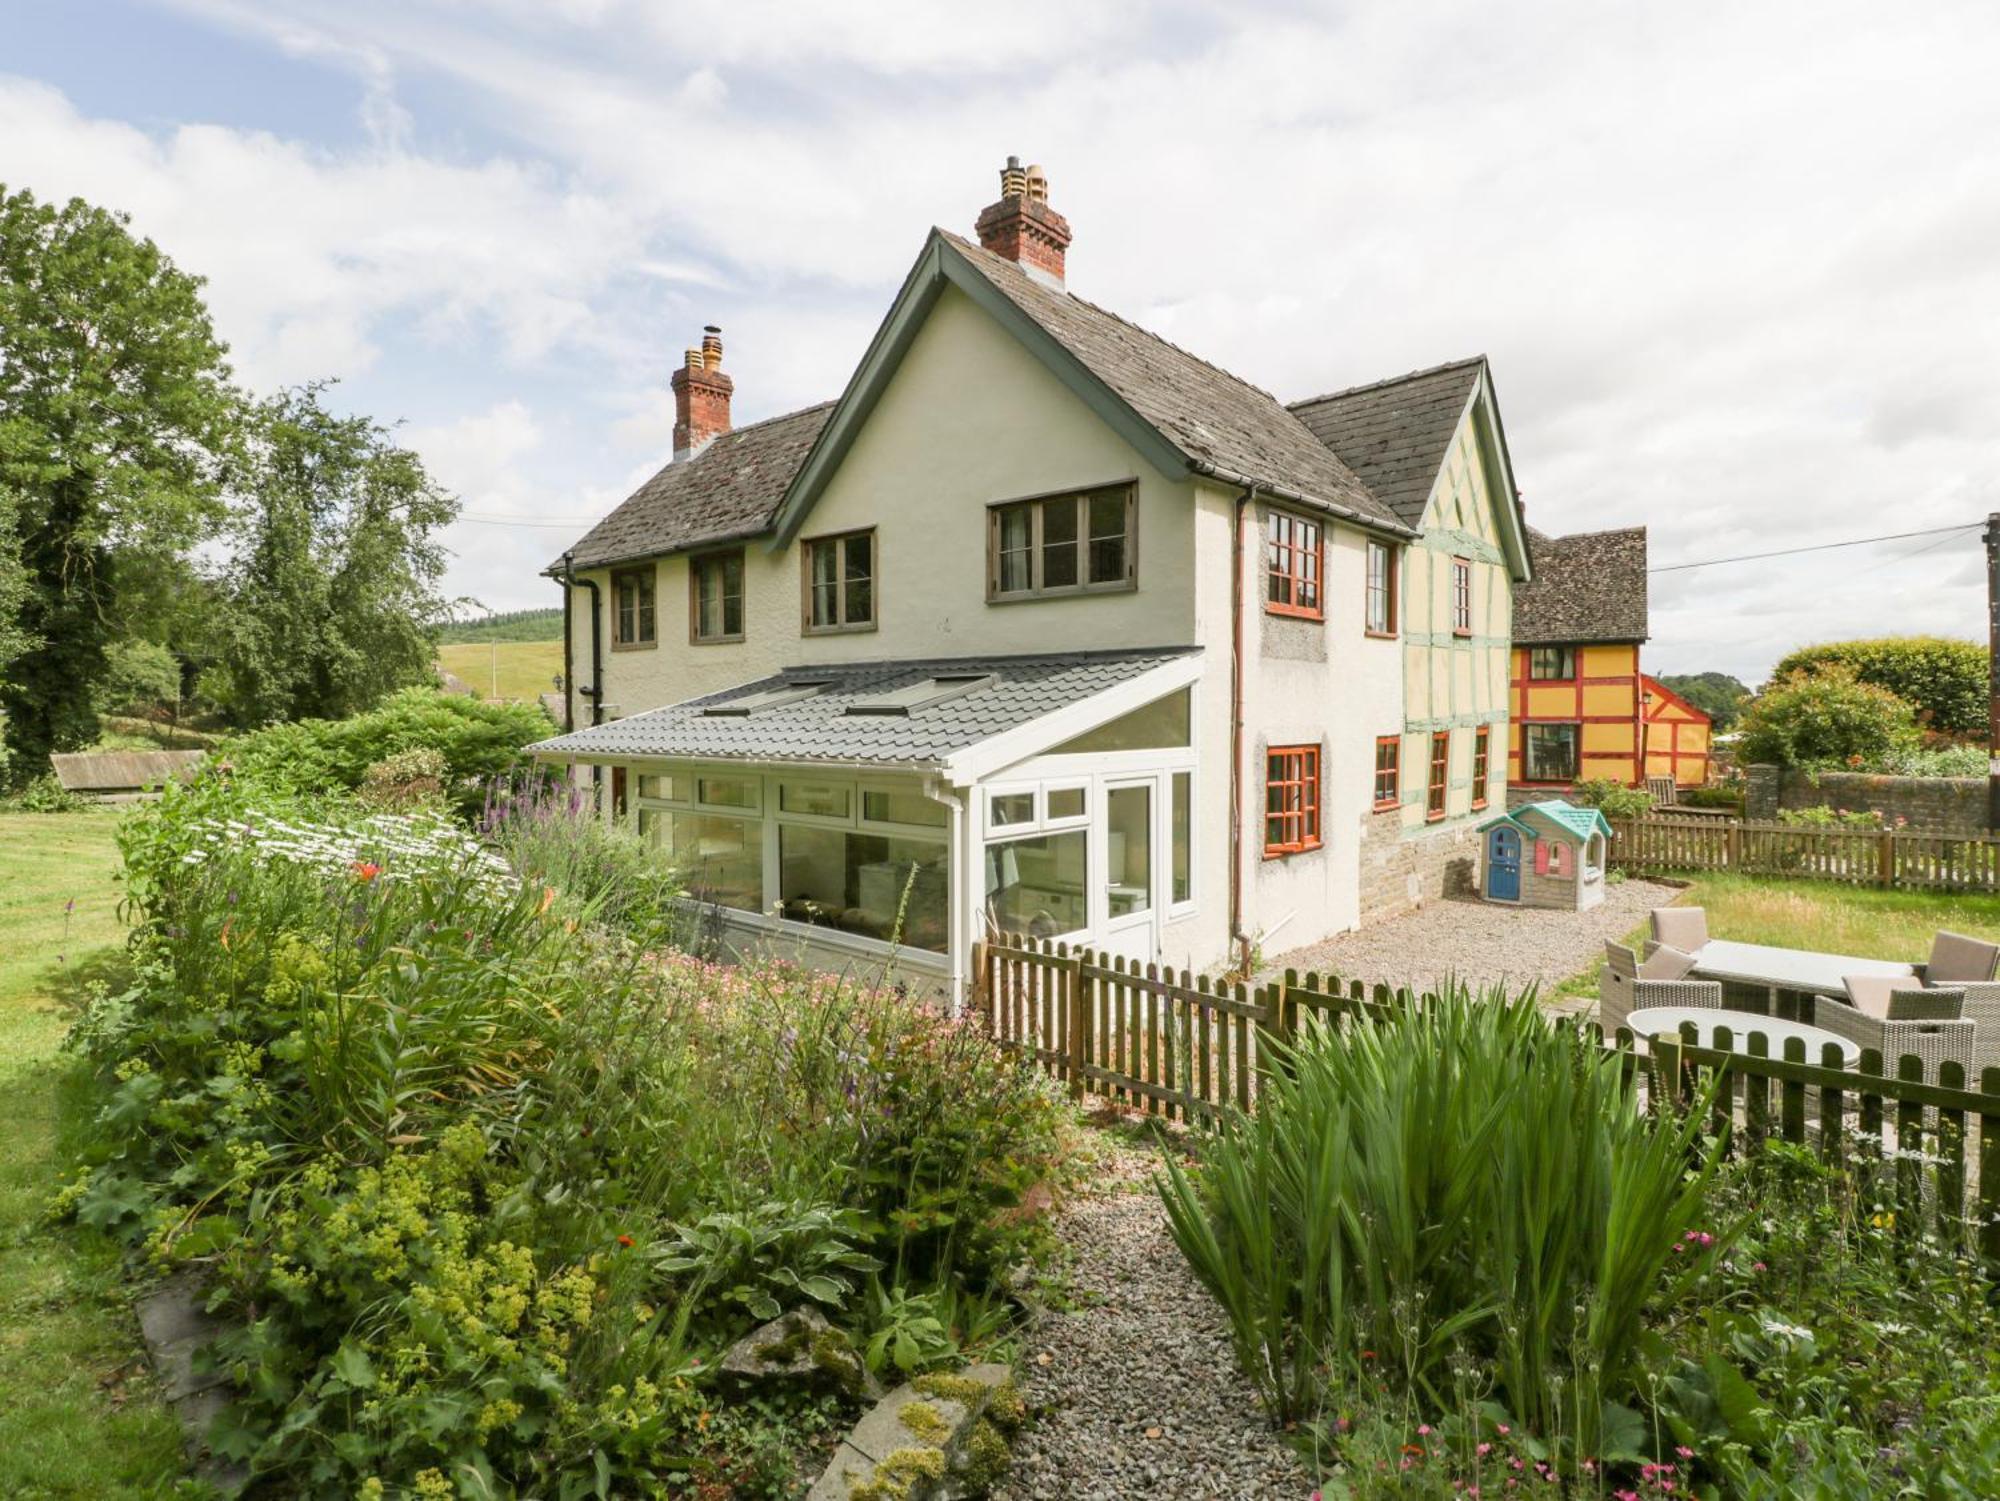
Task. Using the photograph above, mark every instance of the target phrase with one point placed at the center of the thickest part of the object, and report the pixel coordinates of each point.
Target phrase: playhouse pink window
(1553, 858)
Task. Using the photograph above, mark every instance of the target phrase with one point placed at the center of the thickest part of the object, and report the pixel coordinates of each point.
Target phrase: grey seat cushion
(1685, 928)
(1666, 963)
(1957, 959)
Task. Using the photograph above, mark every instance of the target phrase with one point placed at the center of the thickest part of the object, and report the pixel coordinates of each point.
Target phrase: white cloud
(1733, 263)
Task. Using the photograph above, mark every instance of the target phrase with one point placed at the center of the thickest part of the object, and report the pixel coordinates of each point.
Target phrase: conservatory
(886, 816)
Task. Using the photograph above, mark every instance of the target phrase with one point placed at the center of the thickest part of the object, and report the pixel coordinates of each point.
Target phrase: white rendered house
(1047, 626)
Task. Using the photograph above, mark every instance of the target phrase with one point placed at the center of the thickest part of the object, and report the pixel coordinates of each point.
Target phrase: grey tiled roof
(818, 728)
(1222, 423)
(730, 489)
(1589, 587)
(1393, 433)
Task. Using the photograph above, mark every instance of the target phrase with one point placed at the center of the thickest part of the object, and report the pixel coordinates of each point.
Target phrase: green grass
(1822, 915)
(79, 1416)
(524, 668)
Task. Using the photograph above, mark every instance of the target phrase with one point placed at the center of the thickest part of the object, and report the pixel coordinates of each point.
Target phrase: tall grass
(1464, 1183)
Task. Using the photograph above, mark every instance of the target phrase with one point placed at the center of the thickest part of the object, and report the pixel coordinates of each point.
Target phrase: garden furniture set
(1946, 1009)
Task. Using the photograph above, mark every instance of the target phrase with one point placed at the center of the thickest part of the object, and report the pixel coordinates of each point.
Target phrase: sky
(1734, 264)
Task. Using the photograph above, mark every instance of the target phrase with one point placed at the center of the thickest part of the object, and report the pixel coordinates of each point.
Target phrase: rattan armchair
(1928, 1024)
(1621, 991)
(1982, 1010)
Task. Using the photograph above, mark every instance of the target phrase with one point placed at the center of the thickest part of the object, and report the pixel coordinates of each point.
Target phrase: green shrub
(479, 1179)
(1830, 720)
(1943, 680)
(1461, 1185)
(141, 678)
(1824, 817)
(1935, 761)
(479, 742)
(44, 795)
(1615, 799)
(1729, 795)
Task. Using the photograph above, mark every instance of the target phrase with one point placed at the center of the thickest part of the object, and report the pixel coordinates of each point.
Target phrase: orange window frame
(1461, 596)
(1295, 570)
(1481, 746)
(1291, 800)
(1434, 793)
(1388, 772)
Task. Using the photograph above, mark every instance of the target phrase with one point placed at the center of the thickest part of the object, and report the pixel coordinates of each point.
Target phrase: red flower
(626, 1240)
(366, 870)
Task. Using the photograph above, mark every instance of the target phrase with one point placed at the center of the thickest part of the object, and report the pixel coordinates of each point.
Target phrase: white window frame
(1054, 823)
(992, 792)
(821, 820)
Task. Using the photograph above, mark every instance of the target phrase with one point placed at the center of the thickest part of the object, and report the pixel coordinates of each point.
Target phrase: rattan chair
(1621, 991)
(1928, 1024)
(1686, 928)
(1982, 1009)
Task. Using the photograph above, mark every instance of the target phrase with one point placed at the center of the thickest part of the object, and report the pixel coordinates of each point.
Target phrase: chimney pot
(1022, 228)
(701, 396)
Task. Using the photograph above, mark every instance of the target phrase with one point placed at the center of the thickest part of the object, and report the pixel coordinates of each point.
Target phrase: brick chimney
(1022, 227)
(701, 397)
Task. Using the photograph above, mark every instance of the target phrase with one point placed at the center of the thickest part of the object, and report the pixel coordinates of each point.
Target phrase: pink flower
(1483, 1450)
(1423, 1430)
(1684, 1451)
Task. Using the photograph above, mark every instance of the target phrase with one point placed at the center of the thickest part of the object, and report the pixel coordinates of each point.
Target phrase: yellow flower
(432, 1486)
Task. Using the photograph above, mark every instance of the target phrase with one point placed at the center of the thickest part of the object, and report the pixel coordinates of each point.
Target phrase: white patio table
(1795, 971)
(1649, 1022)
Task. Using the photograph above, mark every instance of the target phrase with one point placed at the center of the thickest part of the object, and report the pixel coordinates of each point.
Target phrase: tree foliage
(115, 414)
(507, 625)
(1942, 679)
(331, 594)
(140, 678)
(1825, 719)
(1716, 694)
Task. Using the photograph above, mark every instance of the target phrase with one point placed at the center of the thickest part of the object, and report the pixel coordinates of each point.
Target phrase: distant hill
(508, 625)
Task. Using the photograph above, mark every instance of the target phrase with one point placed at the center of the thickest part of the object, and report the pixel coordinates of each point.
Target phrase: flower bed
(488, 1186)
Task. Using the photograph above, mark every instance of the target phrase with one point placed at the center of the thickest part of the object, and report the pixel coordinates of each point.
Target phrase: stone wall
(1401, 871)
(1945, 805)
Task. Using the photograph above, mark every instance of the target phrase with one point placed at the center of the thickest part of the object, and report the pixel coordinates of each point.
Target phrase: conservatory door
(1131, 894)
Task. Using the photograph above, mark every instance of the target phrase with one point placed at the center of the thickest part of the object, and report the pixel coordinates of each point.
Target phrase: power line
(1785, 552)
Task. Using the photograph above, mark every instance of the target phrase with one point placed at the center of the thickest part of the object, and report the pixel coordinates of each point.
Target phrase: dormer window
(1077, 543)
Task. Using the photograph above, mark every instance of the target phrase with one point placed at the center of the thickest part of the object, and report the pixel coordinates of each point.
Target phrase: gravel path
(1481, 942)
(1140, 1393)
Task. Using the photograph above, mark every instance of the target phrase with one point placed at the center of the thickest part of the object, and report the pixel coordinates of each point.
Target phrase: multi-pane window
(1388, 771)
(1381, 590)
(1461, 596)
(1296, 566)
(840, 582)
(1440, 771)
(632, 622)
(1291, 799)
(716, 596)
(1062, 544)
(1548, 752)
(1481, 740)
(1552, 664)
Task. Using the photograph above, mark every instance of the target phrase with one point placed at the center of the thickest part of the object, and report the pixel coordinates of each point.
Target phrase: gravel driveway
(1481, 942)
(1140, 1393)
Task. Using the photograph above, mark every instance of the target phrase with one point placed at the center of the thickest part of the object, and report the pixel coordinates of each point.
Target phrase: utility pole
(1992, 540)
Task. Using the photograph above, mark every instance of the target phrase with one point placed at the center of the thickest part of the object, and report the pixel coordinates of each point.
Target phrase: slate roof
(1227, 426)
(1588, 587)
(1394, 433)
(729, 490)
(819, 728)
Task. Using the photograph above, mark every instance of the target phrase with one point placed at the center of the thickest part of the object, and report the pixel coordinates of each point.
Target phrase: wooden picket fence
(1871, 857)
(1191, 1049)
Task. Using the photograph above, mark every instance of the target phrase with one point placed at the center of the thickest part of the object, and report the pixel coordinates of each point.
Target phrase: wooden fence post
(982, 993)
(1078, 986)
(1732, 845)
(1885, 858)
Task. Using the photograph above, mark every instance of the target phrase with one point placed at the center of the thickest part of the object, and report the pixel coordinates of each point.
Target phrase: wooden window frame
(1391, 556)
(696, 563)
(645, 608)
(1575, 727)
(1383, 803)
(1298, 767)
(1482, 763)
(1461, 596)
(1038, 508)
(1289, 540)
(1437, 789)
(838, 541)
(1560, 652)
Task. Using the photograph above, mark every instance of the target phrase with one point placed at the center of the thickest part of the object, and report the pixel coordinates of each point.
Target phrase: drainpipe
(1237, 937)
(595, 691)
(569, 649)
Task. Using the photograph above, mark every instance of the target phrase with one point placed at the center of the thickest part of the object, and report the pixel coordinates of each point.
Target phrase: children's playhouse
(1546, 854)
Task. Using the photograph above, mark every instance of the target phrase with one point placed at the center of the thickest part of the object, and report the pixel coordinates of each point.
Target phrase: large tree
(330, 595)
(115, 412)
(1716, 694)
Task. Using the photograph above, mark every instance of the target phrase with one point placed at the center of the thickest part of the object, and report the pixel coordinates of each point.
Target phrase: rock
(800, 1348)
(930, 1438)
(177, 1326)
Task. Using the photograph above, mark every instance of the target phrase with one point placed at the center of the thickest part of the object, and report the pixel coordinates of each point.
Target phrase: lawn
(78, 1417)
(505, 669)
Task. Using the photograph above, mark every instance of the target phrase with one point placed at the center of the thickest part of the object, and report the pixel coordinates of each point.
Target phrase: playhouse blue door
(1503, 865)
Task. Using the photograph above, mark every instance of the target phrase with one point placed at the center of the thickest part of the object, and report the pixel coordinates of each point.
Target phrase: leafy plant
(766, 1257)
(908, 1331)
(1943, 679)
(1829, 719)
(1615, 798)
